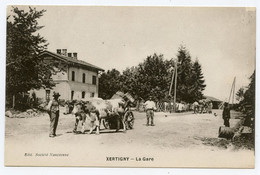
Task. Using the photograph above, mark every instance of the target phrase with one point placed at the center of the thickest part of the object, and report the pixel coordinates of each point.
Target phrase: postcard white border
(120, 171)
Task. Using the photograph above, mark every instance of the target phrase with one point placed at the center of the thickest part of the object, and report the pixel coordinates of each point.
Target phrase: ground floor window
(92, 94)
(83, 94)
(72, 94)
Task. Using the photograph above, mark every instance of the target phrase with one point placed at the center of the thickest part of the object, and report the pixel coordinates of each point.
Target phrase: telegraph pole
(232, 91)
(170, 91)
(175, 86)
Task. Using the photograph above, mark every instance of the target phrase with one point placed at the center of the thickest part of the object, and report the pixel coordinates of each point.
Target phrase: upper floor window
(72, 76)
(83, 78)
(94, 79)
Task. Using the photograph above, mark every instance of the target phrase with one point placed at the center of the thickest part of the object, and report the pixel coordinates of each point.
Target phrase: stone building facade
(78, 81)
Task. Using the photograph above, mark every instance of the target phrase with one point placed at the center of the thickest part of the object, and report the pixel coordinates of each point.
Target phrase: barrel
(129, 96)
(226, 132)
(118, 95)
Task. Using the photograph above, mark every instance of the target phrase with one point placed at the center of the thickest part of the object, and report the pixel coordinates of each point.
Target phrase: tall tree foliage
(153, 77)
(109, 83)
(249, 96)
(198, 84)
(130, 83)
(240, 94)
(249, 101)
(24, 68)
(184, 74)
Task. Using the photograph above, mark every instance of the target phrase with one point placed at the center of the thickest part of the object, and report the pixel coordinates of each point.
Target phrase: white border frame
(176, 171)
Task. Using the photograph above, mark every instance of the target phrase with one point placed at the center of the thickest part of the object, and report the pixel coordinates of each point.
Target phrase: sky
(223, 39)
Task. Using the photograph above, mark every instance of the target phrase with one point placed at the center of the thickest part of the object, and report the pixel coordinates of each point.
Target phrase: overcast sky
(223, 39)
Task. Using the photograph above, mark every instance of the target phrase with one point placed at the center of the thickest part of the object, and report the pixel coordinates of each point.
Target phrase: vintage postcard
(106, 86)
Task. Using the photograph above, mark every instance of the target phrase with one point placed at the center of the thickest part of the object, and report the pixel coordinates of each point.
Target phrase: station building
(78, 80)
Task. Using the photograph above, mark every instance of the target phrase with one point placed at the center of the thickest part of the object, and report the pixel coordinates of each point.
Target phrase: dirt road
(177, 140)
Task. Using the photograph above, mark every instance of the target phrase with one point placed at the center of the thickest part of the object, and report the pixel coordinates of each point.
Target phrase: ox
(94, 110)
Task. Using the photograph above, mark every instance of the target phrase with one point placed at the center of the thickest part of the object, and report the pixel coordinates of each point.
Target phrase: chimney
(69, 54)
(75, 55)
(59, 51)
(64, 52)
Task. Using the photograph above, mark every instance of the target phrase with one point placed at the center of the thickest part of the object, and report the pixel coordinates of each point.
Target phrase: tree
(24, 68)
(240, 94)
(153, 77)
(129, 79)
(190, 79)
(184, 79)
(198, 81)
(109, 83)
(249, 101)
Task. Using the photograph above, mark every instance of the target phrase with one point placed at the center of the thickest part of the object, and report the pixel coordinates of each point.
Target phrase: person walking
(150, 108)
(196, 107)
(54, 112)
(226, 115)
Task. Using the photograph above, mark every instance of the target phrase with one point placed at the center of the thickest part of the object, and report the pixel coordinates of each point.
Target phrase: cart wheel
(130, 120)
(106, 123)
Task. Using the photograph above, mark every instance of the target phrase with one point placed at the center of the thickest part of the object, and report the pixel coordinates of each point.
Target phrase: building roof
(71, 60)
(212, 98)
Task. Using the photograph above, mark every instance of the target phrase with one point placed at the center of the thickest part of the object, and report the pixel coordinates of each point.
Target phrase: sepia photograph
(130, 86)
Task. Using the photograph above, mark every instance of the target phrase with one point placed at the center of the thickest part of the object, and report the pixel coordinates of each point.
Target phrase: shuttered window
(72, 76)
(83, 78)
(94, 80)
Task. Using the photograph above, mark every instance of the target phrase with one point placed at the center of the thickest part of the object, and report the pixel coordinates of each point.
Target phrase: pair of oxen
(91, 113)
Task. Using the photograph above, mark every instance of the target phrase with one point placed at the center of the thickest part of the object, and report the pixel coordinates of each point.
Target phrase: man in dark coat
(226, 114)
(54, 113)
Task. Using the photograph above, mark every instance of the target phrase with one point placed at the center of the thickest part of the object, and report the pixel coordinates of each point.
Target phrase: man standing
(150, 107)
(195, 107)
(54, 113)
(210, 106)
(226, 114)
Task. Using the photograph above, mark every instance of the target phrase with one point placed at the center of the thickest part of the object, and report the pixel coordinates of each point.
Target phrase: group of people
(202, 107)
(54, 113)
(150, 107)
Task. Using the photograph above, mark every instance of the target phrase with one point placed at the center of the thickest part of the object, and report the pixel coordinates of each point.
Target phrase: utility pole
(170, 91)
(175, 86)
(232, 91)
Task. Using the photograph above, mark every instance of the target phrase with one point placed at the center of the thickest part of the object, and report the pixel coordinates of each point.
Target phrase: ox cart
(114, 113)
(110, 122)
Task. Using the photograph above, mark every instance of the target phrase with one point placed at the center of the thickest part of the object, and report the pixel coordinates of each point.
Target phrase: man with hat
(54, 113)
(150, 108)
(226, 114)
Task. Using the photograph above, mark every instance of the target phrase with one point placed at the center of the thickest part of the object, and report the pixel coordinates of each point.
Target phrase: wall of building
(60, 76)
(78, 86)
(79, 73)
(65, 85)
(62, 88)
